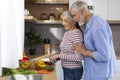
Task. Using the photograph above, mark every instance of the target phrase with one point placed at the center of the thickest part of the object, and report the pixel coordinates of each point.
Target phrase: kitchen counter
(50, 76)
(37, 55)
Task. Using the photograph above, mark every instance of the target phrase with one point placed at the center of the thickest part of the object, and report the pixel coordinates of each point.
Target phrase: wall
(116, 36)
(53, 32)
(56, 31)
(44, 11)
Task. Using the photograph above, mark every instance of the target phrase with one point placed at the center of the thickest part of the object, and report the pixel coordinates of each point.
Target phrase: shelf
(34, 20)
(48, 22)
(29, 17)
(52, 3)
(113, 21)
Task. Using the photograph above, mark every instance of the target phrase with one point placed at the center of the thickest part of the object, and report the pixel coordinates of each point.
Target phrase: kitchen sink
(25, 77)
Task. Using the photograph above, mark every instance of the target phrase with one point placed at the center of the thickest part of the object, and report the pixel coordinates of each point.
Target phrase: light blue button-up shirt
(98, 38)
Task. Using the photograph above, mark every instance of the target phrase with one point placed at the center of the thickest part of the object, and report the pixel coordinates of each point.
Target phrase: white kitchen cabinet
(113, 10)
(99, 6)
(107, 9)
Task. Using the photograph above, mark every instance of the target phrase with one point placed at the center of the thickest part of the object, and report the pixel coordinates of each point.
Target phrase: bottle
(47, 49)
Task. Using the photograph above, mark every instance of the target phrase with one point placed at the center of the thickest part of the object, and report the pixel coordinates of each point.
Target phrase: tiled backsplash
(55, 33)
(116, 36)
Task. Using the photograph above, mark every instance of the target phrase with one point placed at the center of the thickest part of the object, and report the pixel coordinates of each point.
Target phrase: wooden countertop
(50, 76)
(3, 78)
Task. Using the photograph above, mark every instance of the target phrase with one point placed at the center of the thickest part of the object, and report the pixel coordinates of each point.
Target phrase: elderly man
(100, 60)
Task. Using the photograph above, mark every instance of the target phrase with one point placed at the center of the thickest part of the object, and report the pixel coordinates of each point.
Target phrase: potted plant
(32, 40)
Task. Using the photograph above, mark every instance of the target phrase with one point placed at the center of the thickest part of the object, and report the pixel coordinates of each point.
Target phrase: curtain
(11, 33)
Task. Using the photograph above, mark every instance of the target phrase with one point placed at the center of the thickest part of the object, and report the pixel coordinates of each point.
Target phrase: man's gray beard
(81, 23)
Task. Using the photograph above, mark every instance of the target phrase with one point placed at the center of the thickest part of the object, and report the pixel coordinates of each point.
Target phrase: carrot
(43, 72)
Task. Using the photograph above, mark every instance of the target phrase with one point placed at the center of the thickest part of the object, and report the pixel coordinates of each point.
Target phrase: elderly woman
(71, 60)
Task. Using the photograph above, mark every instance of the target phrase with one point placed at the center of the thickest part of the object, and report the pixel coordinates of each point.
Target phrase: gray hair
(78, 5)
(69, 15)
